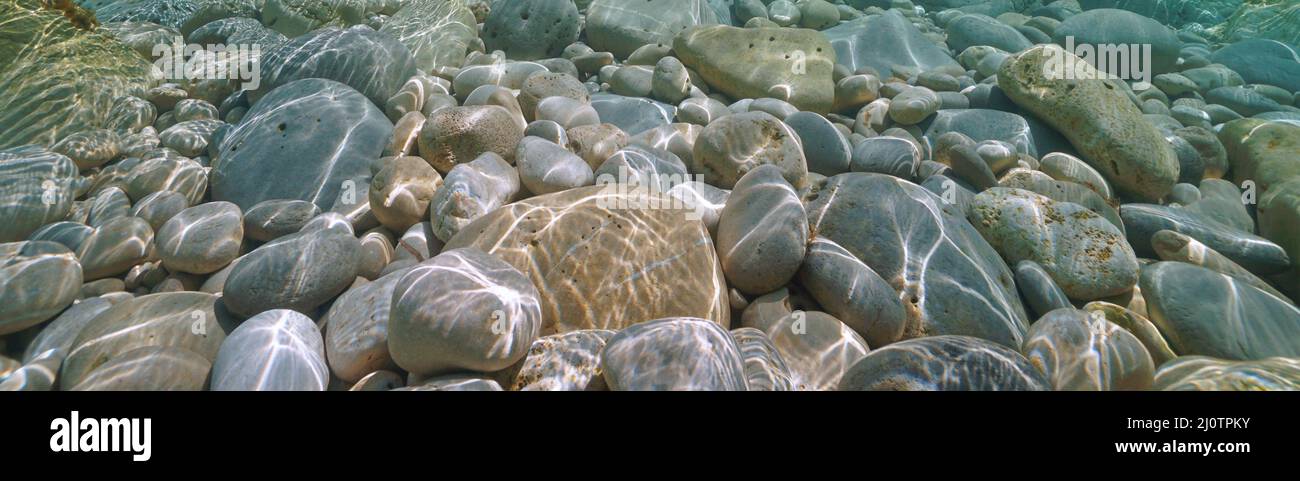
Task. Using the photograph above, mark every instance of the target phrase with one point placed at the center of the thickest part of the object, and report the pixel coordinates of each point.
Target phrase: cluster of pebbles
(469, 195)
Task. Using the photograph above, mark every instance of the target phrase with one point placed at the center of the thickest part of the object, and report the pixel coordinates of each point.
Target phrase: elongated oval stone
(152, 368)
(186, 320)
(1100, 121)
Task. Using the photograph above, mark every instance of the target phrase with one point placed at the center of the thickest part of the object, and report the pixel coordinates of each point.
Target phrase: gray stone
(38, 279)
(765, 369)
(462, 310)
(546, 167)
(201, 239)
(763, 232)
(1202, 312)
(887, 155)
(883, 42)
(927, 251)
(825, 150)
(1201, 373)
(168, 320)
(159, 207)
(983, 124)
(37, 187)
(633, 115)
(622, 27)
(372, 63)
(332, 131)
(531, 29)
(1038, 289)
(277, 350)
(673, 354)
(1079, 351)
(299, 271)
(1084, 253)
(270, 219)
(115, 247)
(1257, 254)
(731, 146)
(944, 363)
(1107, 26)
(975, 29)
(152, 368)
(469, 191)
(849, 290)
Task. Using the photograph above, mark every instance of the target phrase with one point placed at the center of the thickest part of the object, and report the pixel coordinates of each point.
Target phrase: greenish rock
(1100, 122)
(1085, 254)
(621, 27)
(927, 251)
(1062, 191)
(1202, 373)
(437, 32)
(825, 149)
(944, 363)
(1079, 351)
(789, 64)
(58, 335)
(58, 78)
(673, 354)
(1203, 312)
